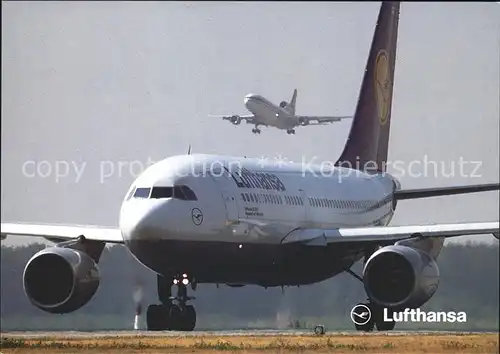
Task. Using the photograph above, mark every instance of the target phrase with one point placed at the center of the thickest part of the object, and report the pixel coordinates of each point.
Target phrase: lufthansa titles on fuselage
(263, 180)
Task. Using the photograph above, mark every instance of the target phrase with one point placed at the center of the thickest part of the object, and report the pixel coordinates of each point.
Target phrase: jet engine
(236, 120)
(60, 280)
(400, 277)
(283, 104)
(302, 121)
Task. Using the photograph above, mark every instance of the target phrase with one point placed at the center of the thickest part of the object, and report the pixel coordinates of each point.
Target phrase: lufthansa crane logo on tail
(382, 86)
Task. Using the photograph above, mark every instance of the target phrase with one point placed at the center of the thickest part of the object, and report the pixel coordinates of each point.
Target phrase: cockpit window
(162, 192)
(131, 193)
(188, 193)
(177, 192)
(142, 193)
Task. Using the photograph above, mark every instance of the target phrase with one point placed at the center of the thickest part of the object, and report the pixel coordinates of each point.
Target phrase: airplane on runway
(283, 117)
(196, 219)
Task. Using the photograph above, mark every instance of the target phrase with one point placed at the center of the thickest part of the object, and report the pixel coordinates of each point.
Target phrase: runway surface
(249, 333)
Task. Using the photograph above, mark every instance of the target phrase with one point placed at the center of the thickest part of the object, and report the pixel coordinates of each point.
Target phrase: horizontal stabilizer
(441, 191)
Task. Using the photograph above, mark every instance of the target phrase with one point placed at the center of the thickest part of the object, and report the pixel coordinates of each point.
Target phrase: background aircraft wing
(317, 120)
(389, 234)
(236, 119)
(62, 232)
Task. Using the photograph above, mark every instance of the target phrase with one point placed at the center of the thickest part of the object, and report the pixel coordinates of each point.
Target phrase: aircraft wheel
(319, 330)
(188, 318)
(175, 317)
(379, 320)
(157, 318)
(368, 325)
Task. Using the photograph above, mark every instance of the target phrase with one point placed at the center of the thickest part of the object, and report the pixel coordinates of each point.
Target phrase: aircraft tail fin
(367, 145)
(293, 101)
(290, 106)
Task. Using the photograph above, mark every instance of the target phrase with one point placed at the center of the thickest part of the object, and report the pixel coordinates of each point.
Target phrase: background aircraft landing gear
(256, 130)
(290, 131)
(173, 314)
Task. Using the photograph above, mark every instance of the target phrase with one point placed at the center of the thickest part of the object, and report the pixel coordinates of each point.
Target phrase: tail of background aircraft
(290, 106)
(368, 141)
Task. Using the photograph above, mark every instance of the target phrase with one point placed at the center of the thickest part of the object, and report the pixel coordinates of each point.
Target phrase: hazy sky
(100, 85)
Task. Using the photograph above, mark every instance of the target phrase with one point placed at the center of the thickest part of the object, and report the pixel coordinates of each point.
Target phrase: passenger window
(142, 193)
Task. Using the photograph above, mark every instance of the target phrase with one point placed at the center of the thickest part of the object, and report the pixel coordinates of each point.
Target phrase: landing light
(185, 281)
(175, 281)
(184, 275)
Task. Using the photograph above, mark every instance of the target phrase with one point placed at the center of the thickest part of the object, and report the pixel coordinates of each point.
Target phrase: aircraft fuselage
(236, 229)
(268, 113)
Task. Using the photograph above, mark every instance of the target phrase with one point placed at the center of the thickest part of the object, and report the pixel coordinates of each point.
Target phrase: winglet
(189, 150)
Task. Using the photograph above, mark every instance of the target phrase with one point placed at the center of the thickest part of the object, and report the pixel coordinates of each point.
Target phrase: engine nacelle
(400, 277)
(302, 121)
(236, 120)
(60, 280)
(283, 104)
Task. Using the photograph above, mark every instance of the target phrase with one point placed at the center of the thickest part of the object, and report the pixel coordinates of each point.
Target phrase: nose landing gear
(290, 131)
(174, 313)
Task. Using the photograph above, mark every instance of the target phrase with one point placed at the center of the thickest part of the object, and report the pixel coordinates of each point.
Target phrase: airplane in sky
(196, 219)
(283, 117)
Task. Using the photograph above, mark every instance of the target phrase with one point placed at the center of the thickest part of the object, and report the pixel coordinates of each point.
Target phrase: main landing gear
(173, 314)
(375, 317)
(256, 130)
(368, 315)
(290, 131)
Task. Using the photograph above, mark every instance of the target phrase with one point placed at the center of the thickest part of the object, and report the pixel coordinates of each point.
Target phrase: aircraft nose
(141, 222)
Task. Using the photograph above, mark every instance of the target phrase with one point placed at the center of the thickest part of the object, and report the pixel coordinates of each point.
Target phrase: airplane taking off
(283, 117)
(242, 222)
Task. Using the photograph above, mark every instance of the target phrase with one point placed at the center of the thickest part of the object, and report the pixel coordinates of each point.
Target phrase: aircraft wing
(390, 234)
(319, 120)
(62, 232)
(236, 118)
